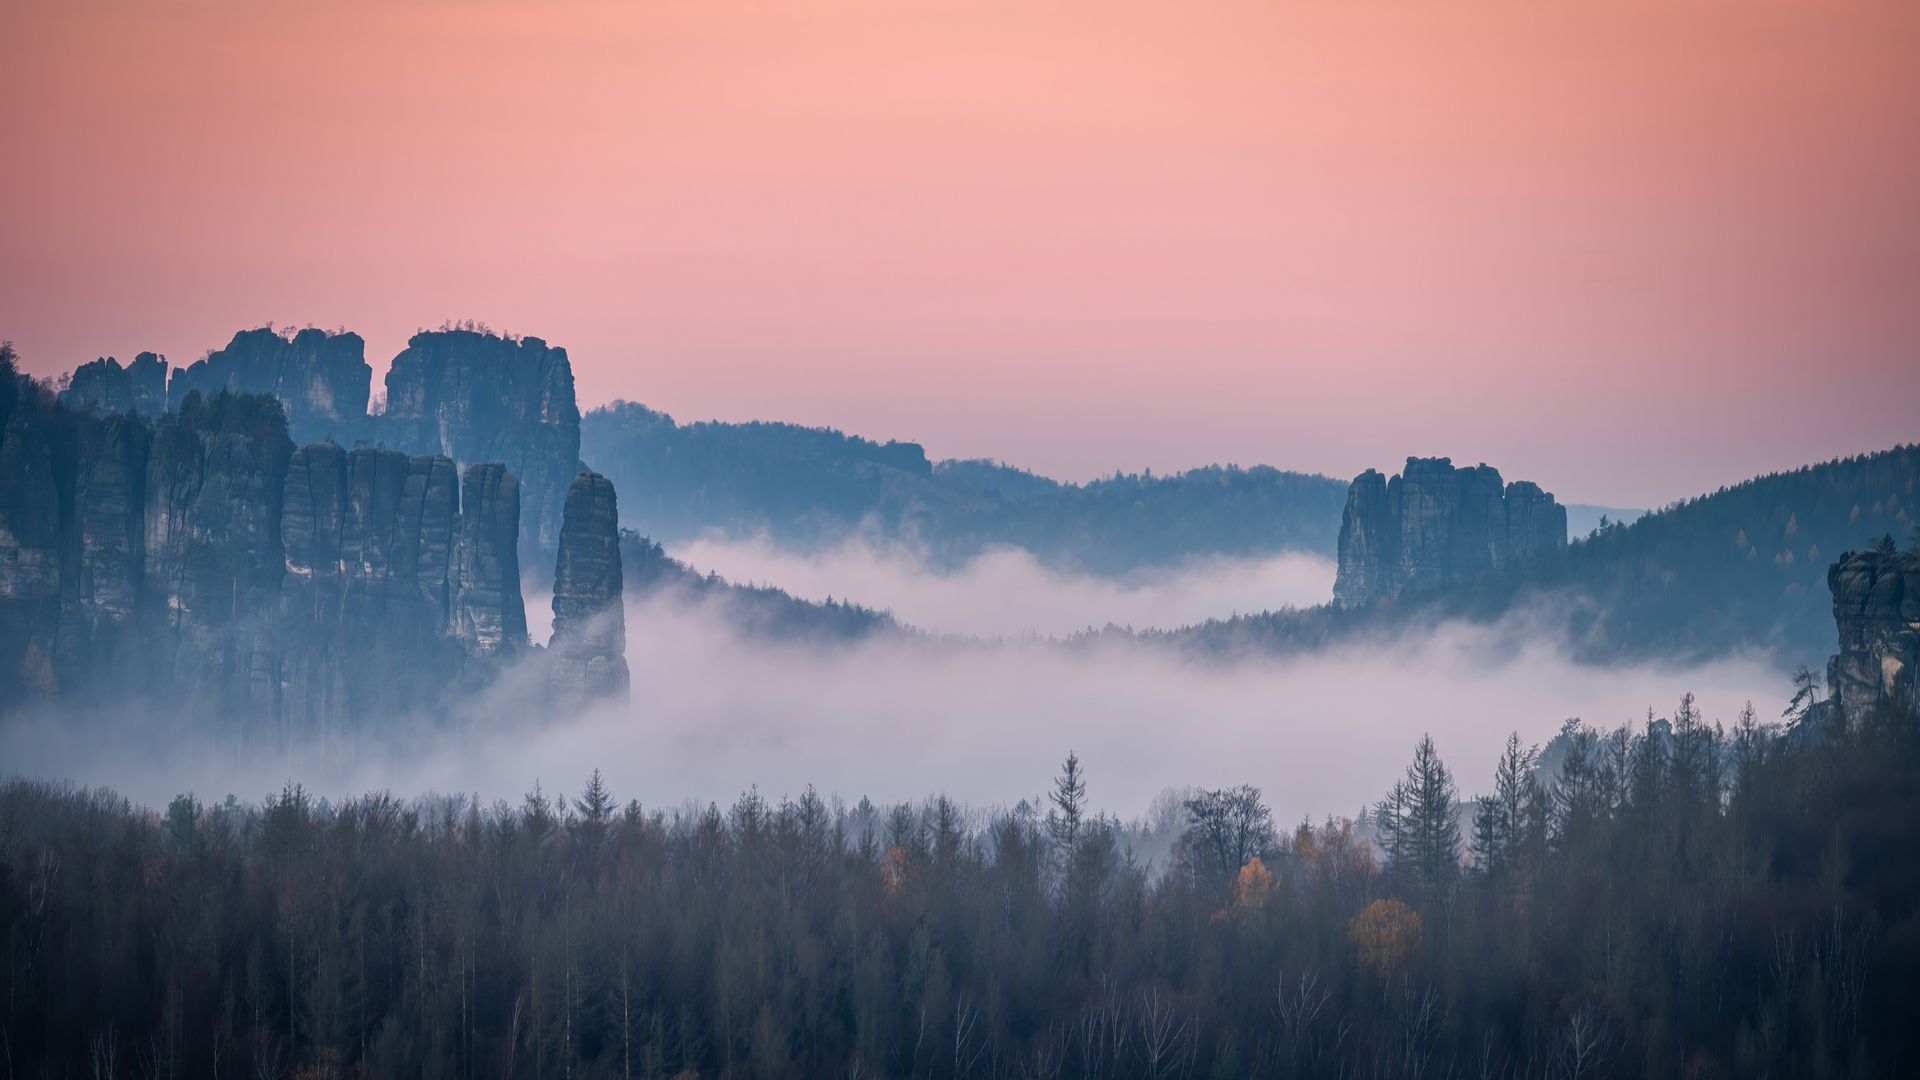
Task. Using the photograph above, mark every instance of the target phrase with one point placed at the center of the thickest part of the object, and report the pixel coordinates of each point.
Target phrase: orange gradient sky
(1632, 250)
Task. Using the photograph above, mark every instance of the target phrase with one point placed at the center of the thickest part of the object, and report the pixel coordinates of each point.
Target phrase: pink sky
(1632, 250)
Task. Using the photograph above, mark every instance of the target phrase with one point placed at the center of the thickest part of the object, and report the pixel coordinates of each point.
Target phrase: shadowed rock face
(35, 521)
(588, 651)
(1876, 609)
(104, 386)
(72, 543)
(364, 604)
(1434, 525)
(213, 557)
(478, 397)
(322, 379)
(100, 594)
(1369, 541)
(463, 394)
(489, 617)
(205, 565)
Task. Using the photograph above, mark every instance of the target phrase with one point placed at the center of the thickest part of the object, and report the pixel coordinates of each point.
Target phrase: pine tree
(1434, 832)
(595, 807)
(1500, 818)
(1065, 820)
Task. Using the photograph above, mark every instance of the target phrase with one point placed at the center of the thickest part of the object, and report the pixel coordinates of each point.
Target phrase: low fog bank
(1006, 592)
(898, 718)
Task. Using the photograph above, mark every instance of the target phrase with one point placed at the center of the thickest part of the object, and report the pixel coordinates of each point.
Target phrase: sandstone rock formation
(588, 652)
(478, 397)
(369, 537)
(1435, 525)
(469, 395)
(1876, 609)
(101, 583)
(489, 617)
(321, 378)
(208, 568)
(213, 558)
(104, 386)
(35, 472)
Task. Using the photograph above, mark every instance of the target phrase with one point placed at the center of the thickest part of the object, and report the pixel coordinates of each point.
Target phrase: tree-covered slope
(807, 487)
(650, 574)
(1743, 568)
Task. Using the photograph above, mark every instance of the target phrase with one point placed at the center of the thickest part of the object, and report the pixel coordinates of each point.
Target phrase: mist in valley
(898, 717)
(1007, 592)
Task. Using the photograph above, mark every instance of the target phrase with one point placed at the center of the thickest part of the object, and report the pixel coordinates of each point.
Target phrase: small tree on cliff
(1806, 694)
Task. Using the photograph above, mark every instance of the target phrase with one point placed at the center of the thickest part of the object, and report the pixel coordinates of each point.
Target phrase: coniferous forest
(1677, 898)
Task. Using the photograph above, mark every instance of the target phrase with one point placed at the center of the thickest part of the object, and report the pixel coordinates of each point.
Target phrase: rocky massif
(467, 394)
(204, 564)
(1436, 525)
(321, 378)
(104, 386)
(1876, 609)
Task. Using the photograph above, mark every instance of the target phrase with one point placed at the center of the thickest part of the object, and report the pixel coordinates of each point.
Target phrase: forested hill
(805, 487)
(1742, 568)
(754, 610)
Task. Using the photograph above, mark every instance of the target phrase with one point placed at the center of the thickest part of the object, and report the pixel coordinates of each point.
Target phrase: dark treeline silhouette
(1674, 899)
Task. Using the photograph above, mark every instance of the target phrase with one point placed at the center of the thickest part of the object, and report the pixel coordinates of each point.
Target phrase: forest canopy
(1675, 898)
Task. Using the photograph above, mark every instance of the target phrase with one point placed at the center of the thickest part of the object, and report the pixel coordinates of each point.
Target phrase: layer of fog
(898, 718)
(1007, 592)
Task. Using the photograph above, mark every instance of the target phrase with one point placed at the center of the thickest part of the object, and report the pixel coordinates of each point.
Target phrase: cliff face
(101, 584)
(1434, 525)
(104, 386)
(463, 394)
(35, 521)
(213, 556)
(322, 379)
(206, 565)
(364, 603)
(1369, 540)
(477, 397)
(588, 652)
(1876, 609)
(489, 617)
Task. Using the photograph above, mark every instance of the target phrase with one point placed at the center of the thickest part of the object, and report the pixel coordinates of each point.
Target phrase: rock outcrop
(587, 655)
(489, 617)
(207, 567)
(101, 585)
(479, 397)
(35, 526)
(1876, 609)
(321, 378)
(213, 559)
(369, 537)
(1435, 525)
(469, 395)
(104, 386)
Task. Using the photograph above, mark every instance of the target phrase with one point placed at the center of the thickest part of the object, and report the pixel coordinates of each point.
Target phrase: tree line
(1672, 898)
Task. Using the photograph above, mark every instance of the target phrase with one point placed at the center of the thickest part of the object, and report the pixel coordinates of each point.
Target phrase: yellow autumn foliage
(893, 870)
(1385, 934)
(1254, 886)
